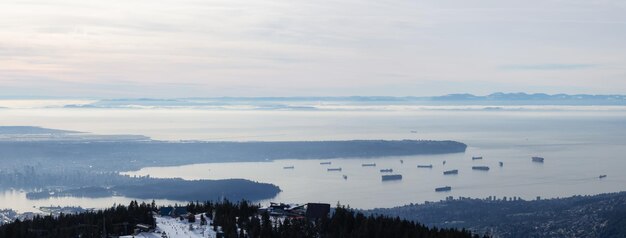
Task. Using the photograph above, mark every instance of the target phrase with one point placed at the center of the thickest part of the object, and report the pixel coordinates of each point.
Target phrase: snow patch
(175, 228)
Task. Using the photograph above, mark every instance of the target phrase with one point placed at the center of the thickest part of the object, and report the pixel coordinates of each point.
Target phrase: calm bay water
(16, 200)
(579, 144)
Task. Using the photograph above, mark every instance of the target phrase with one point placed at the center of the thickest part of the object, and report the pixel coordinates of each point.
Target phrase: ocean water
(578, 143)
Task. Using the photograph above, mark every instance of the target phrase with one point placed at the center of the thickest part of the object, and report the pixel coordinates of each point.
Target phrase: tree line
(117, 220)
(235, 219)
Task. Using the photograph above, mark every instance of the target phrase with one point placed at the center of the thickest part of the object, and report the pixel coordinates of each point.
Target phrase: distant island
(173, 189)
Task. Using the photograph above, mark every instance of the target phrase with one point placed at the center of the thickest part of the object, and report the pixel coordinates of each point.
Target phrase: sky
(207, 48)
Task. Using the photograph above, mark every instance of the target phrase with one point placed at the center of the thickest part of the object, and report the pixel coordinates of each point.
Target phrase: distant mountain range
(338, 103)
(455, 96)
(531, 97)
(322, 103)
(450, 97)
(499, 96)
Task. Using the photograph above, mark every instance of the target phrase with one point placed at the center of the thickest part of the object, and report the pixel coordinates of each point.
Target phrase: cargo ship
(602, 176)
(537, 159)
(449, 172)
(324, 163)
(333, 169)
(477, 157)
(484, 168)
(430, 166)
(443, 189)
(391, 177)
(369, 165)
(386, 170)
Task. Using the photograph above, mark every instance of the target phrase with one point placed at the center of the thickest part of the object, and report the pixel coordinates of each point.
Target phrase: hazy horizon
(286, 96)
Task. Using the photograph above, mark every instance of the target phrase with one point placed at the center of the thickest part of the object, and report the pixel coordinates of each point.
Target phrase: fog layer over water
(578, 146)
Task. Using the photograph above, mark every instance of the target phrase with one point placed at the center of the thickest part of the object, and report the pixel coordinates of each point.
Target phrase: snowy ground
(175, 228)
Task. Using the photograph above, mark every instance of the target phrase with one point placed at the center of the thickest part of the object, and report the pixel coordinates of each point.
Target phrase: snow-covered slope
(175, 228)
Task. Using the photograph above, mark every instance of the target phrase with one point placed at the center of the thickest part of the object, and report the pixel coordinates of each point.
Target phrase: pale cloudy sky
(150, 48)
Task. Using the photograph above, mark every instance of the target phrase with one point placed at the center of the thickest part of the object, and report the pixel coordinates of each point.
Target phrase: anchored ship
(333, 169)
(430, 166)
(288, 167)
(369, 165)
(537, 159)
(324, 163)
(386, 170)
(477, 157)
(391, 177)
(602, 176)
(484, 168)
(443, 189)
(449, 172)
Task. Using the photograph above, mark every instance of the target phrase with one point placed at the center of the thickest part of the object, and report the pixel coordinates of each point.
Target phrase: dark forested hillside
(601, 215)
